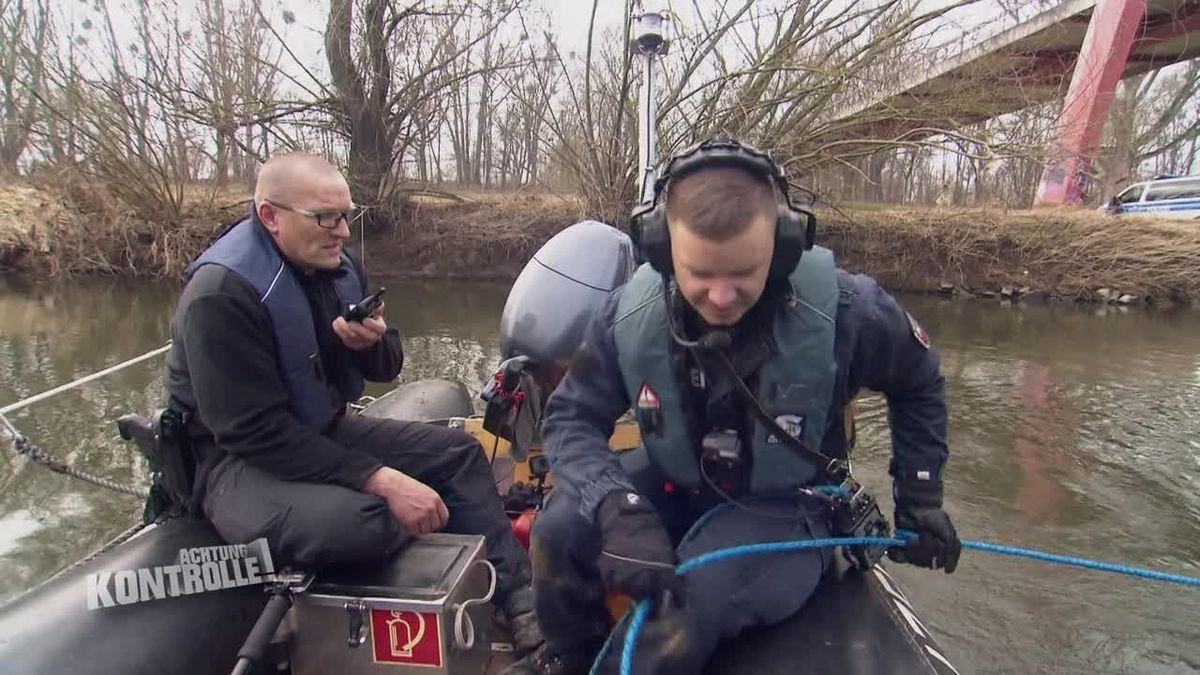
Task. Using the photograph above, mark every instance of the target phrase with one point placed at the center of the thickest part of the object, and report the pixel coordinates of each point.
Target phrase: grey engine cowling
(561, 288)
(548, 309)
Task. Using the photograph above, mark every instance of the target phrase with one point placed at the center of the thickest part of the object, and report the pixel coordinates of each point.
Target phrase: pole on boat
(651, 42)
(286, 585)
(255, 647)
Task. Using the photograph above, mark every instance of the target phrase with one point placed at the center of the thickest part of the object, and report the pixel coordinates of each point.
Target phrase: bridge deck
(1027, 64)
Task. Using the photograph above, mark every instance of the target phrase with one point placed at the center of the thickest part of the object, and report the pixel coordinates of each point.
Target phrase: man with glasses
(262, 367)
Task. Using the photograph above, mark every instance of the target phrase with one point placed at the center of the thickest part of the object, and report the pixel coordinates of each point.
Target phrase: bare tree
(237, 74)
(401, 59)
(60, 138)
(430, 119)
(533, 88)
(24, 35)
(126, 131)
(478, 105)
(221, 81)
(589, 129)
(784, 75)
(1152, 118)
(997, 161)
(414, 82)
(1022, 10)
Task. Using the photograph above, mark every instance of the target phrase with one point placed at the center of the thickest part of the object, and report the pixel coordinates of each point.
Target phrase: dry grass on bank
(1058, 251)
(486, 236)
(22, 208)
(73, 226)
(1064, 253)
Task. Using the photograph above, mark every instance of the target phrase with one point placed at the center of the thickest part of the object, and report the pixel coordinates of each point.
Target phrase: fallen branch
(436, 194)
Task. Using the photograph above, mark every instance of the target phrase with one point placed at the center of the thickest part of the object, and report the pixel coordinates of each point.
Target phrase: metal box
(399, 618)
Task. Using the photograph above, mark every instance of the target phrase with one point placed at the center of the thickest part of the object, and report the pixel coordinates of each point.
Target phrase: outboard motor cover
(545, 316)
(561, 288)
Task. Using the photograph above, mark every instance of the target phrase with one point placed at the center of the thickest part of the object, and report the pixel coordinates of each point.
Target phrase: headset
(795, 225)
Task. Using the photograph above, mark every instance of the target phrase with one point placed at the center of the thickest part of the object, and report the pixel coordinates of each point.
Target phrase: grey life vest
(795, 385)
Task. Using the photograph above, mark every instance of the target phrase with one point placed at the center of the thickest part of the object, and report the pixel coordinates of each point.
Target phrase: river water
(1073, 430)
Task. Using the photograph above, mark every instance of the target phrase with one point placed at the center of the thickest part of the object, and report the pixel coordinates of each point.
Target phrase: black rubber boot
(547, 660)
(519, 617)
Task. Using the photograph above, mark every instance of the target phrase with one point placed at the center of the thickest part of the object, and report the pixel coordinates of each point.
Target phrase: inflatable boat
(131, 610)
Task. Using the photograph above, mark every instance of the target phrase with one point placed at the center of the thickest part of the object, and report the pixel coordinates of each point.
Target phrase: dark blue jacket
(877, 347)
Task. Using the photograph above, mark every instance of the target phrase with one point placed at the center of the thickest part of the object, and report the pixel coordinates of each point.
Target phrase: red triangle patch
(647, 398)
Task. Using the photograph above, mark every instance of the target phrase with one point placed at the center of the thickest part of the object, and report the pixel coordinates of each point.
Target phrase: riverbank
(1053, 253)
(76, 228)
(1029, 255)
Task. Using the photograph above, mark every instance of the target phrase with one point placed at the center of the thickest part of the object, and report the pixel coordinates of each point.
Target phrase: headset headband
(795, 226)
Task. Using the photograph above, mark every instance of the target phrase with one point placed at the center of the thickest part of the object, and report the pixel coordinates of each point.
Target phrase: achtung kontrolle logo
(196, 570)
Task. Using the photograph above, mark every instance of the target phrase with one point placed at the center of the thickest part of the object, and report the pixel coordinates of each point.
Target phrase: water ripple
(1071, 430)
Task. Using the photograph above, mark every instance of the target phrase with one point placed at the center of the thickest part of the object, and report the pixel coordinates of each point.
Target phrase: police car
(1173, 195)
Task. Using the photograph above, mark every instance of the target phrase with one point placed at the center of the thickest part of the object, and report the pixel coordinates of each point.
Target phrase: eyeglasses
(326, 219)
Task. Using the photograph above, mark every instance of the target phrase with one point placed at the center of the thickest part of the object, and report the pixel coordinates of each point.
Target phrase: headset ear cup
(656, 240)
(790, 242)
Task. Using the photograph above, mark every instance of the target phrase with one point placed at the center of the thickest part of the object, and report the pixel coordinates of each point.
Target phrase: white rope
(362, 403)
(464, 629)
(83, 380)
(26, 447)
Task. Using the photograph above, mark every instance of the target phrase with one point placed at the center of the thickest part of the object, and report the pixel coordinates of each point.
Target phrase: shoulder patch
(648, 398)
(917, 331)
(648, 410)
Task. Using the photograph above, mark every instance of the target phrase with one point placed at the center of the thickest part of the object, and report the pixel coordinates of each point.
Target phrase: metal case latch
(354, 611)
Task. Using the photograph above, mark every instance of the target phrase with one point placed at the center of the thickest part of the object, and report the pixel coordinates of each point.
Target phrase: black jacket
(223, 367)
(878, 346)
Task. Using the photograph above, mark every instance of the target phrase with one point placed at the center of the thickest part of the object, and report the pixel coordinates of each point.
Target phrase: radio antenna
(651, 42)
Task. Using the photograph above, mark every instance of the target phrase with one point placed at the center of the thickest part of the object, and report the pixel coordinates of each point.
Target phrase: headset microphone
(715, 339)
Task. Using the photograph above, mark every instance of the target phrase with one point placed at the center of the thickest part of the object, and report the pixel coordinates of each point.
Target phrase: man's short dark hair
(720, 202)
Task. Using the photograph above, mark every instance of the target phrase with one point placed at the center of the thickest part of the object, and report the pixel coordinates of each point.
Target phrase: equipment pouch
(856, 513)
(163, 440)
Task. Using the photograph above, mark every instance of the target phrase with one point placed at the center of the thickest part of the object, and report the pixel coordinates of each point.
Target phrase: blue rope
(643, 607)
(608, 644)
(781, 547)
(635, 629)
(832, 490)
(1083, 562)
(1070, 560)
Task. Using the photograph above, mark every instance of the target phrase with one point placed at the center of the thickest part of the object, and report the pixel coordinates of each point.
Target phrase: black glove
(919, 509)
(637, 557)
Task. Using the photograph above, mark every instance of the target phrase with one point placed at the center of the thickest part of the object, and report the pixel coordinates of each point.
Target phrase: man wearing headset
(732, 284)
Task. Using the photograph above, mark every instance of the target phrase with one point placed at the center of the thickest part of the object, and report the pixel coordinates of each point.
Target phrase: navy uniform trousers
(314, 525)
(721, 599)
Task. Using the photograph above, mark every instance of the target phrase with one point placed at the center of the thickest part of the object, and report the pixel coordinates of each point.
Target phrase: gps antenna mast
(650, 40)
